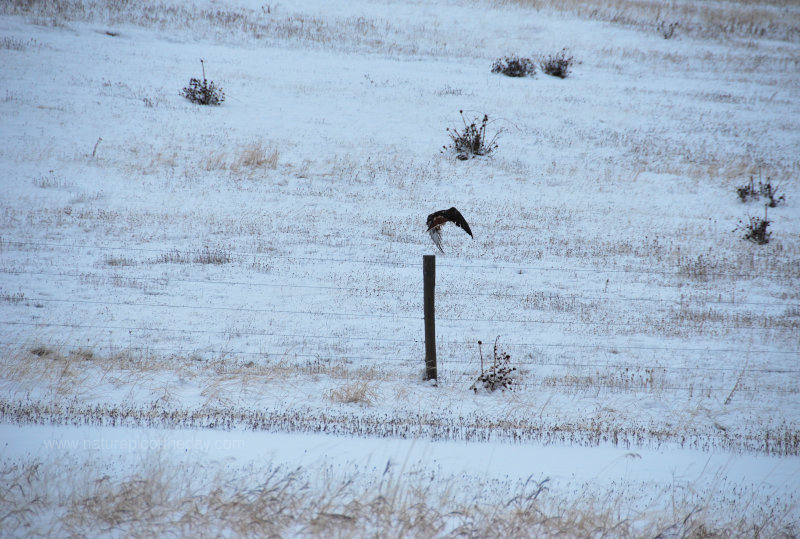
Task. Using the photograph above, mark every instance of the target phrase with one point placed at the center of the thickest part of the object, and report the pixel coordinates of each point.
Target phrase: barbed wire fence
(582, 357)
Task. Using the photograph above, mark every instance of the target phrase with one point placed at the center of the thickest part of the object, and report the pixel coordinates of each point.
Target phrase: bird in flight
(438, 218)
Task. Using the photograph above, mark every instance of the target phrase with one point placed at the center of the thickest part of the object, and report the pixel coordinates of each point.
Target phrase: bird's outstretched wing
(438, 218)
(455, 217)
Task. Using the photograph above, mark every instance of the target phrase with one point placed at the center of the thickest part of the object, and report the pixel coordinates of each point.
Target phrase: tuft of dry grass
(202, 256)
(256, 155)
(12, 298)
(355, 392)
(119, 261)
(16, 44)
(248, 159)
(51, 181)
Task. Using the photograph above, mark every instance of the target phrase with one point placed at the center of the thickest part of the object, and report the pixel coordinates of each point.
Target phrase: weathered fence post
(429, 284)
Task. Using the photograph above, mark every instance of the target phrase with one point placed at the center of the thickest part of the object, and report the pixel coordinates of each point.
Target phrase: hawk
(437, 219)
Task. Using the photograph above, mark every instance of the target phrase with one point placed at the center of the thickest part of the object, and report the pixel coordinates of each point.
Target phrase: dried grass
(201, 256)
(249, 160)
(62, 496)
(56, 375)
(119, 261)
(518, 423)
(228, 22)
(774, 19)
(52, 371)
(257, 155)
(743, 18)
(355, 392)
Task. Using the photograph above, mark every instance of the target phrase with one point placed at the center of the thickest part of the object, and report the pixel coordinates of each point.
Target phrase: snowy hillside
(211, 317)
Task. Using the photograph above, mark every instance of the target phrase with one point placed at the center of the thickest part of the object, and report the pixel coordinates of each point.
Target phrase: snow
(157, 286)
(603, 465)
(641, 476)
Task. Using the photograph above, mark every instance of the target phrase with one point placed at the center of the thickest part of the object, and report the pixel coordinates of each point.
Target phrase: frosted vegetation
(248, 276)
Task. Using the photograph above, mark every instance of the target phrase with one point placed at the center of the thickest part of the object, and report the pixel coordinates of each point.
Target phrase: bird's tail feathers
(436, 236)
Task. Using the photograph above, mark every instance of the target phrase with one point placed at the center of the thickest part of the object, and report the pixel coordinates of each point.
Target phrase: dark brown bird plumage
(438, 218)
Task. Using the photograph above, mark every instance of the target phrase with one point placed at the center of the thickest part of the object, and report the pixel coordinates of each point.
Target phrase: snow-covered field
(211, 318)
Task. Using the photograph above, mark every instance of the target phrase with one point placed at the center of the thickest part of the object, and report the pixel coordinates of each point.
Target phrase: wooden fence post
(429, 284)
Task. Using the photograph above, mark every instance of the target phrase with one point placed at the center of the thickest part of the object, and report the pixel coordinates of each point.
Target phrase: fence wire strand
(377, 340)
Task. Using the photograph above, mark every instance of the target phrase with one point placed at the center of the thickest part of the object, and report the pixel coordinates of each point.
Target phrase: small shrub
(755, 229)
(514, 66)
(14, 299)
(499, 375)
(15, 44)
(750, 192)
(557, 65)
(472, 140)
(770, 193)
(203, 92)
(667, 31)
(747, 191)
(42, 351)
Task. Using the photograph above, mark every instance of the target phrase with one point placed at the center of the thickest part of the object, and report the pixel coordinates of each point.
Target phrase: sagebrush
(755, 229)
(499, 375)
(514, 66)
(749, 191)
(557, 65)
(203, 92)
(667, 30)
(472, 140)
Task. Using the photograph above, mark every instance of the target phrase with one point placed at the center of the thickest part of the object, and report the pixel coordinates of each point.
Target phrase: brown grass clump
(201, 256)
(249, 159)
(256, 155)
(356, 392)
